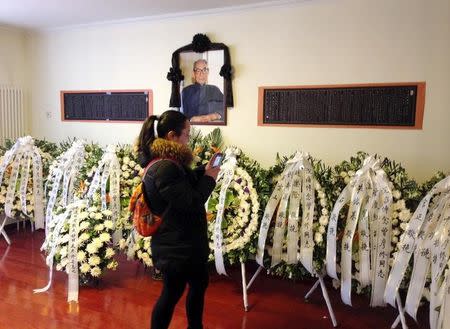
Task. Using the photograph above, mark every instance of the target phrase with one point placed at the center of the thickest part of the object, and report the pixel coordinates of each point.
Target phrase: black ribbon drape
(200, 43)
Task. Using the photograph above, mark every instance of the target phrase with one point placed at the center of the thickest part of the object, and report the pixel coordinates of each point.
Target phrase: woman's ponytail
(145, 140)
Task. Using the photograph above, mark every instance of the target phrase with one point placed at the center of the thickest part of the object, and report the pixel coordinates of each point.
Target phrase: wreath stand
(5, 219)
(246, 287)
(3, 232)
(401, 314)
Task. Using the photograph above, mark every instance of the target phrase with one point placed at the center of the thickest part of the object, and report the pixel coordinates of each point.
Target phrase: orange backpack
(145, 222)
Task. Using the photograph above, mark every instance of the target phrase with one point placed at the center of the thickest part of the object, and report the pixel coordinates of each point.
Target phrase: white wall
(312, 42)
(13, 57)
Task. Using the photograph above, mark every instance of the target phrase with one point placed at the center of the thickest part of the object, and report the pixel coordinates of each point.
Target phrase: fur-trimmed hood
(165, 149)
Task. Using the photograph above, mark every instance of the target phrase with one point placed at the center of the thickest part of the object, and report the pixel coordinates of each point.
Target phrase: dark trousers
(174, 283)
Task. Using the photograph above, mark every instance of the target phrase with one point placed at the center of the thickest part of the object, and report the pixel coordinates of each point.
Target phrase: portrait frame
(202, 46)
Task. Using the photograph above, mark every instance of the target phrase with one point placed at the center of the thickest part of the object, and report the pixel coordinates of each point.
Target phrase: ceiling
(54, 14)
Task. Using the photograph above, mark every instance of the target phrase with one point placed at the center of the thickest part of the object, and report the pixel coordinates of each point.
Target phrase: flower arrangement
(240, 220)
(323, 202)
(132, 244)
(48, 152)
(204, 147)
(406, 196)
(92, 156)
(138, 248)
(95, 250)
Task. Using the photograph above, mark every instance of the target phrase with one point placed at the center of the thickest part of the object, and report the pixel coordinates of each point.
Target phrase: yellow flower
(84, 268)
(95, 271)
(94, 260)
(81, 256)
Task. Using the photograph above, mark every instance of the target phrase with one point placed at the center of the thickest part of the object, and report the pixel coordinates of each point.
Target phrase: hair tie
(155, 126)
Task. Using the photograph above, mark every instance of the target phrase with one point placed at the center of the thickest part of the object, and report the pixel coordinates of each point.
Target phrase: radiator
(12, 118)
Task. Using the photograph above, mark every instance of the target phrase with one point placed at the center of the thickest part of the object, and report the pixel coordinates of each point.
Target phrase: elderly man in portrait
(202, 102)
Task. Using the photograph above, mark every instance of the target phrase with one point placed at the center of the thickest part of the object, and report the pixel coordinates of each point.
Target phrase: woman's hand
(210, 170)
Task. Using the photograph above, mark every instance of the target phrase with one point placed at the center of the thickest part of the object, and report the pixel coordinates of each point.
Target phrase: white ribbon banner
(415, 232)
(227, 173)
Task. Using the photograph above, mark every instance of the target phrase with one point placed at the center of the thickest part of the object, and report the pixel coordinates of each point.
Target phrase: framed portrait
(201, 81)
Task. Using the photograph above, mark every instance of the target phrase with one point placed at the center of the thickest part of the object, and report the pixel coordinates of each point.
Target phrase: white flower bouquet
(95, 252)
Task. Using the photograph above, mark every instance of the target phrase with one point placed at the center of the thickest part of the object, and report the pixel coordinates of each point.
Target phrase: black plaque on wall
(132, 105)
(389, 105)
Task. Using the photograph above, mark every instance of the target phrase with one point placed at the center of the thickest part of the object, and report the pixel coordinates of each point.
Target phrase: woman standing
(177, 193)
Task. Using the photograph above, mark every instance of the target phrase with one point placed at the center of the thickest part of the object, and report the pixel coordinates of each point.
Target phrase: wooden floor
(124, 299)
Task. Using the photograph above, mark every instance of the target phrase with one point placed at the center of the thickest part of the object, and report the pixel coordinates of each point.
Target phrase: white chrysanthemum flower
(83, 237)
(98, 216)
(351, 173)
(396, 194)
(147, 244)
(105, 237)
(109, 253)
(108, 224)
(126, 160)
(347, 180)
(95, 271)
(84, 225)
(83, 215)
(81, 256)
(99, 227)
(92, 209)
(321, 229)
(84, 268)
(97, 242)
(94, 260)
(112, 265)
(404, 215)
(318, 237)
(125, 175)
(91, 248)
(343, 174)
(124, 167)
(107, 212)
(122, 244)
(323, 220)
